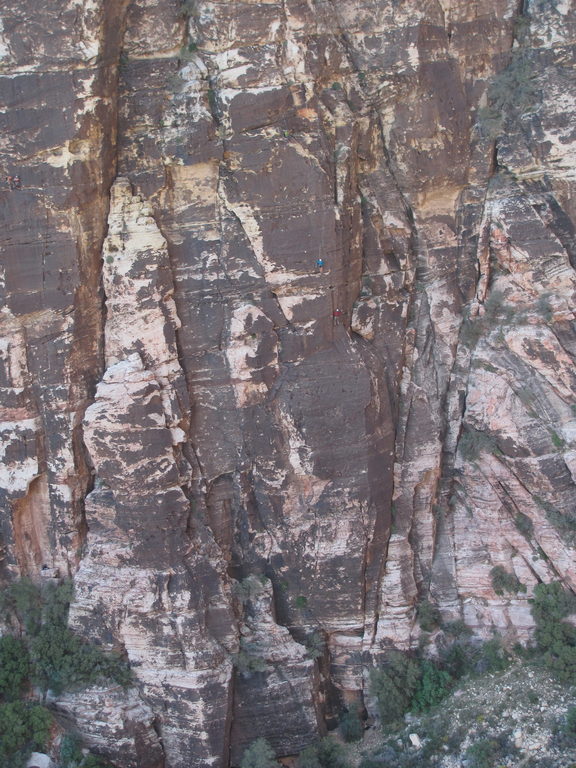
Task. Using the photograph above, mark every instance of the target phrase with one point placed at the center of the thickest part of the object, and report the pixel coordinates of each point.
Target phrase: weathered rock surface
(288, 301)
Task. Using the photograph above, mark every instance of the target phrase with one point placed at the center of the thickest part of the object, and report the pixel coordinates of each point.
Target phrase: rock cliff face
(287, 342)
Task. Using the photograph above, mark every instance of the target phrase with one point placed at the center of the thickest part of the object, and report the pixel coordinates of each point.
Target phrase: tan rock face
(287, 303)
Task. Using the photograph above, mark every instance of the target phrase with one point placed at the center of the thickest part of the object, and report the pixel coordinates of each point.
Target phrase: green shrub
(259, 755)
(556, 638)
(495, 308)
(483, 753)
(545, 307)
(471, 331)
(212, 100)
(434, 685)
(457, 628)
(188, 8)
(351, 726)
(503, 581)
(14, 667)
(394, 685)
(373, 762)
(95, 761)
(58, 658)
(248, 659)
(467, 657)
(23, 728)
(429, 616)
(70, 751)
(570, 726)
(62, 660)
(564, 522)
(331, 754)
(557, 441)
(248, 588)
(457, 660)
(53, 657)
(474, 442)
(23, 601)
(72, 756)
(495, 312)
(56, 599)
(511, 93)
(492, 657)
(524, 524)
(308, 758)
(551, 603)
(314, 645)
(324, 754)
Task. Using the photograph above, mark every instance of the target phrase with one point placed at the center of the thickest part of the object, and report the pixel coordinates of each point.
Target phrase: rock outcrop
(287, 342)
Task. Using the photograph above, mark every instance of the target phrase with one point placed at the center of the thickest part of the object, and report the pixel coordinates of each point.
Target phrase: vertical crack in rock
(58, 146)
(138, 514)
(271, 668)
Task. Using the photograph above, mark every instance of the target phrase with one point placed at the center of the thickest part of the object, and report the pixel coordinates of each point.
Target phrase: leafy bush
(428, 616)
(324, 754)
(457, 628)
(62, 660)
(14, 667)
(23, 601)
(490, 752)
(524, 525)
(72, 755)
(56, 599)
(308, 758)
(495, 312)
(503, 581)
(70, 751)
(373, 762)
(394, 685)
(570, 726)
(314, 645)
(492, 657)
(435, 684)
(551, 603)
(564, 522)
(351, 726)
(512, 93)
(474, 442)
(457, 660)
(188, 8)
(557, 441)
(23, 728)
(259, 755)
(94, 761)
(555, 637)
(405, 684)
(249, 588)
(248, 659)
(467, 657)
(50, 655)
(483, 753)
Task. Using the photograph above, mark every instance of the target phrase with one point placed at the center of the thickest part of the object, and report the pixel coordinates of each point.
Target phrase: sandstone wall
(254, 466)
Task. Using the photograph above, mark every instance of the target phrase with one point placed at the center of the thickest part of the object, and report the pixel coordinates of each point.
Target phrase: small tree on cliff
(555, 636)
(259, 755)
